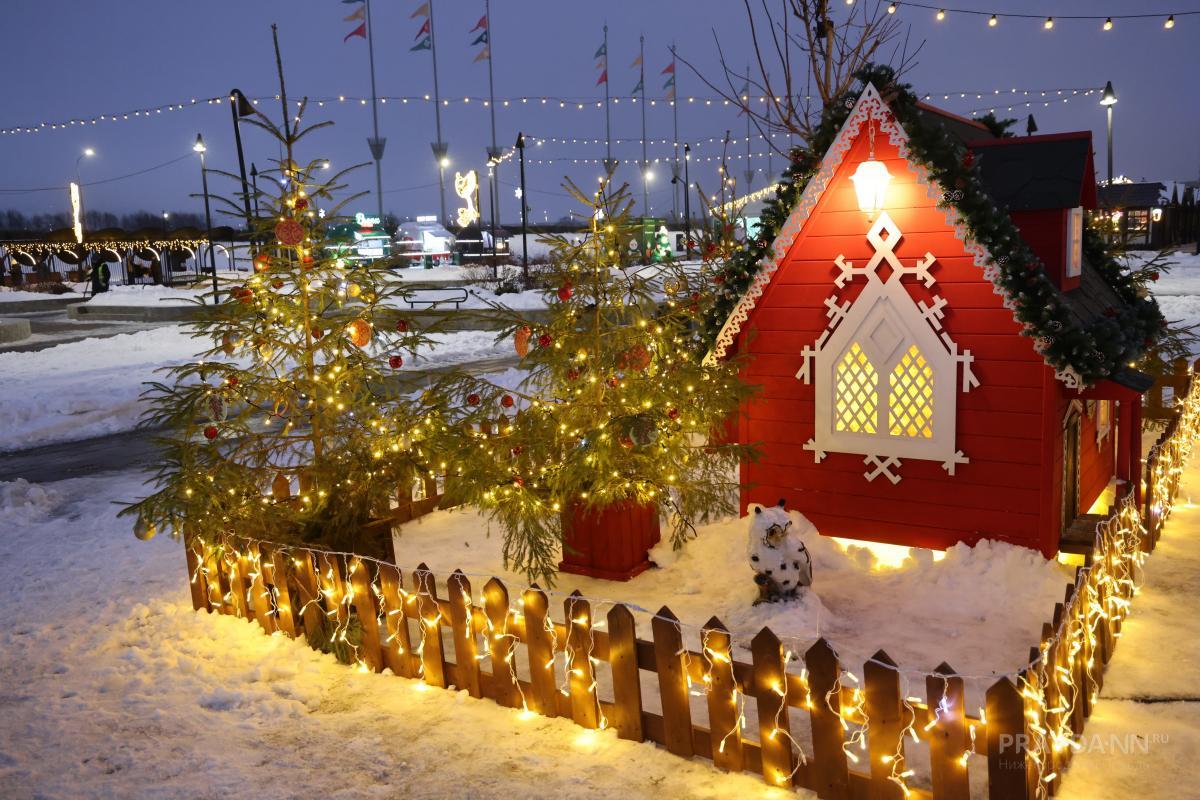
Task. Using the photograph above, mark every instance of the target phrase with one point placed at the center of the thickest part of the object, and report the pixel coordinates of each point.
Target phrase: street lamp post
(87, 153)
(687, 205)
(524, 211)
(212, 260)
(254, 184)
(240, 107)
(1109, 99)
(165, 260)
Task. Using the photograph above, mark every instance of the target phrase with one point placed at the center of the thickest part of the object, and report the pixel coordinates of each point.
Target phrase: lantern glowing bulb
(1170, 23)
(870, 185)
(1049, 23)
(993, 22)
(1108, 24)
(941, 15)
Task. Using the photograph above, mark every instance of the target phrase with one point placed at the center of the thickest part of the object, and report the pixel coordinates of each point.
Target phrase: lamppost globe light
(445, 161)
(199, 145)
(1108, 97)
(89, 152)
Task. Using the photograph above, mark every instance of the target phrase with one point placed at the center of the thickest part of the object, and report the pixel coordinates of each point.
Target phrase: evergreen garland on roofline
(1093, 350)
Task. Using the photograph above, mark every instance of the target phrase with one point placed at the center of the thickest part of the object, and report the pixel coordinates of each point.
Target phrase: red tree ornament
(545, 340)
(359, 332)
(301, 203)
(566, 291)
(289, 233)
(402, 326)
(262, 262)
(472, 399)
(395, 362)
(210, 432)
(673, 413)
(507, 401)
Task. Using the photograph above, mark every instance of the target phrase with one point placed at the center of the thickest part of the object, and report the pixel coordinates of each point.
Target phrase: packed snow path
(1143, 740)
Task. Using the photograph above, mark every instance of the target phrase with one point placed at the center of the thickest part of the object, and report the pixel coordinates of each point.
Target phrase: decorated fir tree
(616, 411)
(285, 427)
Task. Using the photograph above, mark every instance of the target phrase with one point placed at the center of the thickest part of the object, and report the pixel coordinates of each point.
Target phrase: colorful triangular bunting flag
(360, 31)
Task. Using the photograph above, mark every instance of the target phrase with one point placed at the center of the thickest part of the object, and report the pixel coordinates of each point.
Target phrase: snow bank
(91, 387)
(147, 295)
(116, 688)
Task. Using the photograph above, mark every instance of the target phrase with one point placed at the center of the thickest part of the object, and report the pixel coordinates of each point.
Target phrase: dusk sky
(72, 59)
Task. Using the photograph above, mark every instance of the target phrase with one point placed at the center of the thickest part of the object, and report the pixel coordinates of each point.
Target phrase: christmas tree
(616, 407)
(288, 426)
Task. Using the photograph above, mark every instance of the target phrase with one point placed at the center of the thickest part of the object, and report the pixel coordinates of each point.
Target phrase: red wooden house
(900, 401)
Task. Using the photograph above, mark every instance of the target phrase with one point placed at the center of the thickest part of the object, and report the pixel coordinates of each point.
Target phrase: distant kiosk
(424, 242)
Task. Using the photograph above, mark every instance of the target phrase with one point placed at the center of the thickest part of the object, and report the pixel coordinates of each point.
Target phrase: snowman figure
(777, 554)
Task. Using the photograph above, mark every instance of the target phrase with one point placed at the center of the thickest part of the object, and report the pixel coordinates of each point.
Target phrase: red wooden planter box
(609, 542)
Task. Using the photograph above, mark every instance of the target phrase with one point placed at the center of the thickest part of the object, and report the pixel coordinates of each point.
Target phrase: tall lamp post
(165, 260)
(687, 204)
(254, 182)
(1109, 99)
(212, 259)
(524, 212)
(87, 153)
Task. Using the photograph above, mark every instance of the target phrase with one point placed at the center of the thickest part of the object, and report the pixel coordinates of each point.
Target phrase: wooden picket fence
(863, 730)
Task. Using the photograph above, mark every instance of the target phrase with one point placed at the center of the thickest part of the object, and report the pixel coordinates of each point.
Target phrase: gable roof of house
(1095, 298)
(1131, 195)
(1031, 173)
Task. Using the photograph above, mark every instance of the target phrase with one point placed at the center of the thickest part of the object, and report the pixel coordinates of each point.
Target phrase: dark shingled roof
(960, 128)
(1037, 172)
(1131, 195)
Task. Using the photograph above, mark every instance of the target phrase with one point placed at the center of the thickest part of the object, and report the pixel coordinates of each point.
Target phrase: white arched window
(886, 379)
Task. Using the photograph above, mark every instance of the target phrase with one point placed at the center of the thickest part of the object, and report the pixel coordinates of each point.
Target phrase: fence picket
(541, 653)
(948, 738)
(770, 692)
(366, 608)
(275, 564)
(197, 585)
(260, 599)
(310, 608)
(429, 620)
(830, 771)
(397, 649)
(215, 592)
(466, 645)
(585, 708)
(724, 714)
(236, 575)
(1006, 742)
(626, 675)
(885, 740)
(333, 589)
(504, 686)
(672, 682)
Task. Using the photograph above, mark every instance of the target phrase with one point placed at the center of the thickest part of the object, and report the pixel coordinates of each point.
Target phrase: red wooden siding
(1002, 492)
(1045, 231)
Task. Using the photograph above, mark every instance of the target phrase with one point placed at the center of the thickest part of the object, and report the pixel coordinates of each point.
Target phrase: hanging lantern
(870, 184)
(871, 179)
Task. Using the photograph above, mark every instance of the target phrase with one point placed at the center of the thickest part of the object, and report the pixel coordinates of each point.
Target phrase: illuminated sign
(364, 221)
(467, 188)
(77, 213)
(430, 218)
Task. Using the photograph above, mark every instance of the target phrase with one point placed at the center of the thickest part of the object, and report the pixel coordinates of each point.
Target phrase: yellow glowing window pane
(857, 392)
(910, 406)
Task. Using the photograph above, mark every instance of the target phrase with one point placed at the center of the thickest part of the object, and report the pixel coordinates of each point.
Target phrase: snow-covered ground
(111, 686)
(114, 687)
(91, 387)
(1178, 291)
(1143, 741)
